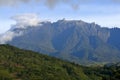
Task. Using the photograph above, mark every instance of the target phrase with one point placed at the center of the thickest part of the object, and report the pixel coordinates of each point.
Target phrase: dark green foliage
(111, 72)
(17, 64)
(5, 75)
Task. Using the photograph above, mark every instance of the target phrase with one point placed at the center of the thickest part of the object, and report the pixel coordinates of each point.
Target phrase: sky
(103, 12)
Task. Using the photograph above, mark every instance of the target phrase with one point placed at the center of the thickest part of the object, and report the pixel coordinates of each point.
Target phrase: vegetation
(17, 64)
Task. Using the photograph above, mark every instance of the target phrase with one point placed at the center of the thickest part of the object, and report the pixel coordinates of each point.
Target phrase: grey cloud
(12, 2)
(49, 3)
(52, 3)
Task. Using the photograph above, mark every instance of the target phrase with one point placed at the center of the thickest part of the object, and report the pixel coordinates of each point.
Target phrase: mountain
(73, 40)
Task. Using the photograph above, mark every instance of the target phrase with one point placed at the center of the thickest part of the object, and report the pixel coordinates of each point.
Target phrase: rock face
(76, 41)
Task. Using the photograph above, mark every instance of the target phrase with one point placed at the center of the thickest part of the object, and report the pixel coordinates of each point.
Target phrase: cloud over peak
(31, 20)
(22, 22)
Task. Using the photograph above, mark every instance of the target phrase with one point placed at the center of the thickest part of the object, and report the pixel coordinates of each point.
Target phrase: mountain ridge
(74, 40)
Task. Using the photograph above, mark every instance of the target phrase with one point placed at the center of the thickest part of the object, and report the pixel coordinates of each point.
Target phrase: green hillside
(17, 64)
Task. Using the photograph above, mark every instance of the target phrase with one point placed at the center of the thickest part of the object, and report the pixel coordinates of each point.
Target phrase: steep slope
(114, 38)
(76, 41)
(17, 64)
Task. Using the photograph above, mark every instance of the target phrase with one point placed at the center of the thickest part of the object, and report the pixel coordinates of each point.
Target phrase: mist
(23, 21)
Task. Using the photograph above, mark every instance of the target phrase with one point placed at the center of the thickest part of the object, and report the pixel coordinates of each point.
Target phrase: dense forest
(18, 64)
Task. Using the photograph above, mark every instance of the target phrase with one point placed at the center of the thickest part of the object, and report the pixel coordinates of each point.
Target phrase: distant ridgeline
(74, 40)
(18, 64)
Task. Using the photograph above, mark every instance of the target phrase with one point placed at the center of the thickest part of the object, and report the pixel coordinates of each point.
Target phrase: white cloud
(22, 22)
(26, 20)
(8, 36)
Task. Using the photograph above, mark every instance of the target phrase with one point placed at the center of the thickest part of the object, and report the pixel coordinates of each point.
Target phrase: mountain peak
(73, 40)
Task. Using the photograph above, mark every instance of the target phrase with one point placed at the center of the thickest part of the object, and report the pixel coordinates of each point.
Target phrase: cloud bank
(49, 3)
(53, 3)
(22, 22)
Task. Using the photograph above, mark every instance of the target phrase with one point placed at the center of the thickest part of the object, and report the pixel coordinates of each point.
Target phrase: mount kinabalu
(75, 41)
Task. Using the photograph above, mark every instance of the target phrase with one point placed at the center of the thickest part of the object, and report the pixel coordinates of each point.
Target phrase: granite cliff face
(74, 40)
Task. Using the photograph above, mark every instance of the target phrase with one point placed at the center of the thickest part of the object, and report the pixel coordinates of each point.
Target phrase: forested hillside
(17, 64)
